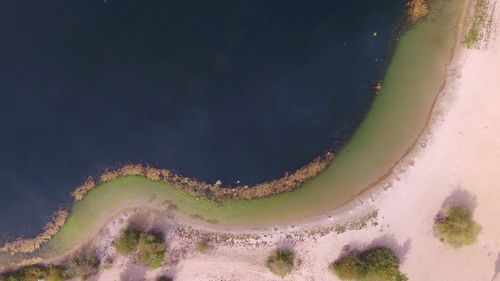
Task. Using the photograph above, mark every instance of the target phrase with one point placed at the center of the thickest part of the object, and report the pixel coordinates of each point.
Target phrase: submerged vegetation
(281, 262)
(479, 25)
(149, 247)
(374, 264)
(30, 245)
(215, 191)
(417, 9)
(456, 227)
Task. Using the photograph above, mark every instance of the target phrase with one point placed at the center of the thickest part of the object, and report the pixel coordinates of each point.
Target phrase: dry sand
(458, 162)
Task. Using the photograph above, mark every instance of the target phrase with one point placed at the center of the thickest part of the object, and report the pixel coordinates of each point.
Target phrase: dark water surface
(230, 90)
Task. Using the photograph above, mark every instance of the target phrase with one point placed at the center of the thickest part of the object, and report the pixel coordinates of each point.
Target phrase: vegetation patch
(479, 26)
(457, 227)
(81, 267)
(378, 263)
(417, 9)
(30, 245)
(203, 246)
(281, 262)
(127, 242)
(148, 247)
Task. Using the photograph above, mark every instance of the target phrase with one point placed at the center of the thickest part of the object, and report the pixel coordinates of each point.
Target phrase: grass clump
(478, 25)
(281, 262)
(148, 246)
(457, 228)
(379, 264)
(203, 246)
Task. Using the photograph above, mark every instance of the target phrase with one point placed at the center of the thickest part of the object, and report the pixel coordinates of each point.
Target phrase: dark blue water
(230, 90)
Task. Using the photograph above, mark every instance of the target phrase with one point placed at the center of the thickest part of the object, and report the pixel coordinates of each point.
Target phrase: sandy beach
(457, 161)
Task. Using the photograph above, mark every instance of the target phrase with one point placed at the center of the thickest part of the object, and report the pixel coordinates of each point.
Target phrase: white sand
(459, 163)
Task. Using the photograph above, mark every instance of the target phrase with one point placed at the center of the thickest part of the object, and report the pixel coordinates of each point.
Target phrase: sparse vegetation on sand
(417, 9)
(281, 262)
(80, 267)
(83, 266)
(478, 25)
(203, 245)
(148, 246)
(457, 227)
(378, 263)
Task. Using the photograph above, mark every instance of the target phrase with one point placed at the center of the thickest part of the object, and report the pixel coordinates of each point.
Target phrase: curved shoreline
(323, 164)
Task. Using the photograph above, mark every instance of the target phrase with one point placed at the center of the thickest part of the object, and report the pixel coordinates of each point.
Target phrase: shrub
(127, 242)
(378, 263)
(30, 273)
(348, 267)
(381, 264)
(281, 262)
(36, 272)
(457, 227)
(151, 249)
(149, 246)
(202, 246)
(55, 273)
(83, 266)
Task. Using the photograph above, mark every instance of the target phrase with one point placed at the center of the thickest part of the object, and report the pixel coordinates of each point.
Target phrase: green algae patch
(398, 115)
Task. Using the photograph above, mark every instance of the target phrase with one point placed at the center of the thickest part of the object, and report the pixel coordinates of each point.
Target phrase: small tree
(381, 264)
(127, 242)
(457, 227)
(378, 263)
(281, 262)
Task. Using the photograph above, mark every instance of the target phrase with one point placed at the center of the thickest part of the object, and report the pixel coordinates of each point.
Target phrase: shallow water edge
(412, 82)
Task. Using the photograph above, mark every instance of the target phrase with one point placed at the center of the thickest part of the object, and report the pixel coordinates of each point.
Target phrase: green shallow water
(398, 115)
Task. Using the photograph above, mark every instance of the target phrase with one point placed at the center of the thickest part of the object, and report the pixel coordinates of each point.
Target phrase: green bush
(378, 263)
(281, 262)
(83, 266)
(127, 242)
(457, 227)
(149, 246)
(151, 249)
(36, 272)
(30, 273)
(55, 273)
(348, 267)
